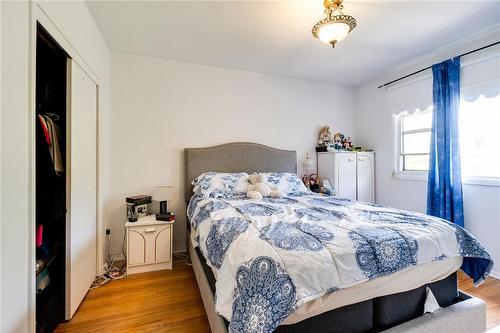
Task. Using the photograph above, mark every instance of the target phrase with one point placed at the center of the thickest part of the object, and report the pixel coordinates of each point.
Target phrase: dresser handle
(361, 159)
(350, 160)
(150, 230)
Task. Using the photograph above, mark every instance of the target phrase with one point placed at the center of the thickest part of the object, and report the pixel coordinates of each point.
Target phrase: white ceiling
(274, 37)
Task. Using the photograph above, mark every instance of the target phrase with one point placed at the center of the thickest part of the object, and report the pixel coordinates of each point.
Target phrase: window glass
(416, 143)
(479, 125)
(416, 162)
(415, 135)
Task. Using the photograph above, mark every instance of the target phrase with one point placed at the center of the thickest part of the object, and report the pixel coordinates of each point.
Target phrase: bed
(367, 303)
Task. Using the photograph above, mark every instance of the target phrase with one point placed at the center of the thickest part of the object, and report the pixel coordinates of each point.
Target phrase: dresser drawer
(149, 244)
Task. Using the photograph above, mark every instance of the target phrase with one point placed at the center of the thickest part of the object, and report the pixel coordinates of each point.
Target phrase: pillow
(221, 185)
(285, 182)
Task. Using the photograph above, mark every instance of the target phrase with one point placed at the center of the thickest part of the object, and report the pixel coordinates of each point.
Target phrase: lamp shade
(333, 32)
(163, 193)
(335, 25)
(308, 165)
(308, 162)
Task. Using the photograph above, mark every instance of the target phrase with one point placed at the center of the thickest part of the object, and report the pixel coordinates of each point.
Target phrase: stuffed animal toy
(325, 136)
(258, 188)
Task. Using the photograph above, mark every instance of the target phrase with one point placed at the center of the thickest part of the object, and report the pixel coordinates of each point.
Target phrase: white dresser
(352, 174)
(149, 245)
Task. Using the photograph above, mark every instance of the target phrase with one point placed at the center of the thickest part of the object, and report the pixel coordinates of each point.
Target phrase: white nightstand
(149, 245)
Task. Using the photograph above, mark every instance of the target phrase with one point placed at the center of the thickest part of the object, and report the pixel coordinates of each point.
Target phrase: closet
(352, 174)
(66, 184)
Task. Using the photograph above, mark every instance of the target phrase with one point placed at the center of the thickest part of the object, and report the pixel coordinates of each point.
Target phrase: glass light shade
(335, 31)
(163, 193)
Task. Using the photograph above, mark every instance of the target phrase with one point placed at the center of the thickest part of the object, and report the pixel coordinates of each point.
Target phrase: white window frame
(399, 174)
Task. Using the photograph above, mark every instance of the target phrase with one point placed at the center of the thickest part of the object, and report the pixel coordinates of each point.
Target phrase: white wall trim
(421, 176)
(41, 16)
(495, 274)
(32, 175)
(1, 189)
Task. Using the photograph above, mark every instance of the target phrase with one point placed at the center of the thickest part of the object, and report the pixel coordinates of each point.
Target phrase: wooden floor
(161, 301)
(489, 292)
(169, 301)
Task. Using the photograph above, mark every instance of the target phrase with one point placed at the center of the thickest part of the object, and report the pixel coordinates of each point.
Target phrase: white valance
(480, 76)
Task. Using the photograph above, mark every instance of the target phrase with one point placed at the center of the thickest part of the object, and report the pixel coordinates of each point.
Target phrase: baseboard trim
(495, 275)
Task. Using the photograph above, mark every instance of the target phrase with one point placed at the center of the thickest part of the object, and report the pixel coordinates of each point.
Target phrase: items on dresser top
(337, 142)
(169, 216)
(163, 193)
(149, 245)
(139, 199)
(137, 206)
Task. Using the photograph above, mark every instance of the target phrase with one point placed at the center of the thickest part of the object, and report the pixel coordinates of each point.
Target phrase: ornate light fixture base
(334, 16)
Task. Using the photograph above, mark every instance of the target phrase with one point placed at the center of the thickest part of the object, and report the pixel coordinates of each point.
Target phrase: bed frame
(465, 314)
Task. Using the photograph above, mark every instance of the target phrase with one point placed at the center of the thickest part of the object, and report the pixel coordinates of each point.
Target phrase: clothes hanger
(52, 115)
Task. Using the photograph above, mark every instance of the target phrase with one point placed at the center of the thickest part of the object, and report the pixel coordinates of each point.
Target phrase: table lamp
(163, 193)
(308, 165)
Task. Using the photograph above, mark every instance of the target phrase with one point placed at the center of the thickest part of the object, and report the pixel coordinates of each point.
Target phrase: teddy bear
(258, 188)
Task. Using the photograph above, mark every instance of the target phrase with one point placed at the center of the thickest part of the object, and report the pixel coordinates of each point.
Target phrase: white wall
(76, 23)
(160, 107)
(373, 129)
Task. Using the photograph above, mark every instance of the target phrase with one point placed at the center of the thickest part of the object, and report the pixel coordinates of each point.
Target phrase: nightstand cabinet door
(162, 245)
(137, 248)
(150, 234)
(149, 245)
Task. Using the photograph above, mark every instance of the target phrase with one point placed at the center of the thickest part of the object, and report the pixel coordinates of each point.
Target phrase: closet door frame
(38, 16)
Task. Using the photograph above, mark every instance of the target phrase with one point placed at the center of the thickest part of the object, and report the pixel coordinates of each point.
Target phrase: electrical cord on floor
(182, 257)
(111, 270)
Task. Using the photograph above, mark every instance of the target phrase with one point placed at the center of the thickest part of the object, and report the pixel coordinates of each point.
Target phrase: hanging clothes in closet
(50, 182)
(52, 134)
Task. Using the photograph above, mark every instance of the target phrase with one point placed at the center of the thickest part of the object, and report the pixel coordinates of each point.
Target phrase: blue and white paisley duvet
(273, 255)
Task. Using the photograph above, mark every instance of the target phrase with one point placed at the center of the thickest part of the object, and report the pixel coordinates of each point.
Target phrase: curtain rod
(429, 67)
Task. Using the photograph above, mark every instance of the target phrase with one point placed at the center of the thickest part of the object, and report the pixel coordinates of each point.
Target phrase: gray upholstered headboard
(236, 157)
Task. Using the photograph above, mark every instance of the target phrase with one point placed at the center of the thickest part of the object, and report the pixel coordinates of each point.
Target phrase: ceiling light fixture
(335, 26)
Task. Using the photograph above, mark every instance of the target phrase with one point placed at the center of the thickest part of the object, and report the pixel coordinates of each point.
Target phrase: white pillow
(285, 182)
(221, 185)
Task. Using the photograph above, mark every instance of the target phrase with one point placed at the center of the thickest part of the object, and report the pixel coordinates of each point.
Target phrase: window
(410, 102)
(480, 137)
(415, 135)
(479, 121)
